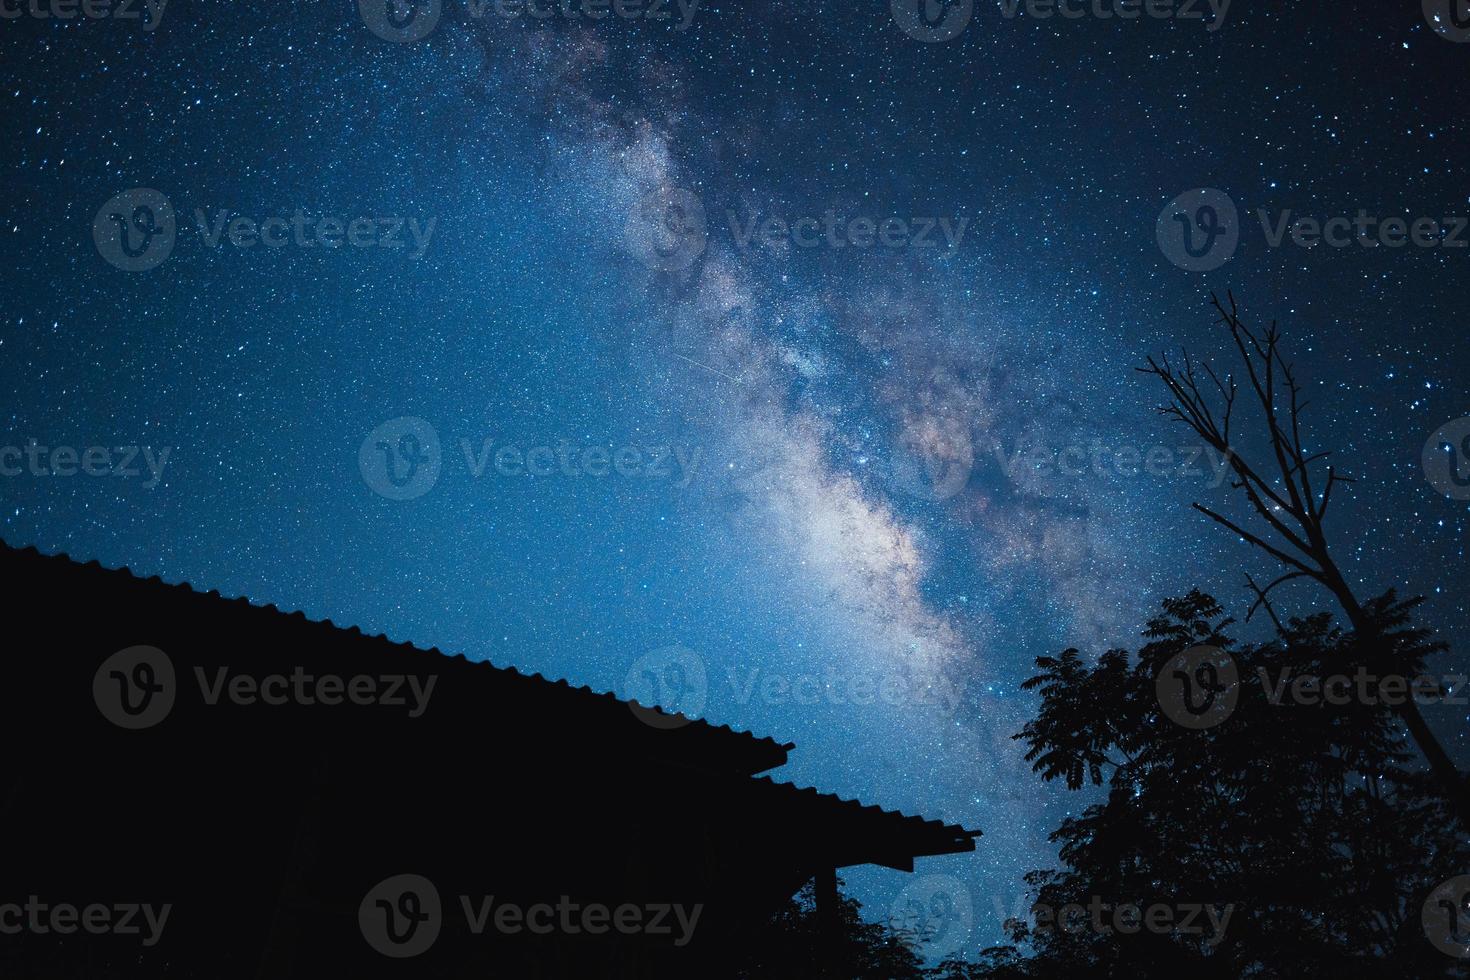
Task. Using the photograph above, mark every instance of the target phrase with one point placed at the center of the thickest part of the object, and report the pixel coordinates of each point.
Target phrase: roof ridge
(866, 808)
(189, 587)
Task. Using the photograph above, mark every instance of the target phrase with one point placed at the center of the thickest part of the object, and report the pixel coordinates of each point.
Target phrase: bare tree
(1284, 494)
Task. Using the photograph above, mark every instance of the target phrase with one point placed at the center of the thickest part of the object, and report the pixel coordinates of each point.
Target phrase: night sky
(813, 461)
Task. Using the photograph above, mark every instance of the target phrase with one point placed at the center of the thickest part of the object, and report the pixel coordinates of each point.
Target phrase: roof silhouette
(504, 783)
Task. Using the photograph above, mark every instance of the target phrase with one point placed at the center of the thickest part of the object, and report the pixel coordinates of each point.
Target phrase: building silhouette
(300, 827)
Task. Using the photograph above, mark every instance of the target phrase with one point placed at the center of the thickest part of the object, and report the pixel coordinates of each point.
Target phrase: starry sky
(575, 404)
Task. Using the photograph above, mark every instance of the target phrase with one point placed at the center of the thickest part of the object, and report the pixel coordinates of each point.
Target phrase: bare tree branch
(1281, 490)
(1263, 597)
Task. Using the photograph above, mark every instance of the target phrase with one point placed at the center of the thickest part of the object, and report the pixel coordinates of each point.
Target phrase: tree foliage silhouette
(1288, 493)
(795, 947)
(1300, 817)
(1310, 820)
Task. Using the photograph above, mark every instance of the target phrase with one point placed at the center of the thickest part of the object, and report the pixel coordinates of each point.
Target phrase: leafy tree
(1287, 489)
(794, 945)
(1299, 818)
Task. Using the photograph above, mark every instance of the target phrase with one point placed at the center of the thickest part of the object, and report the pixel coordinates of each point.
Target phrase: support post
(828, 925)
